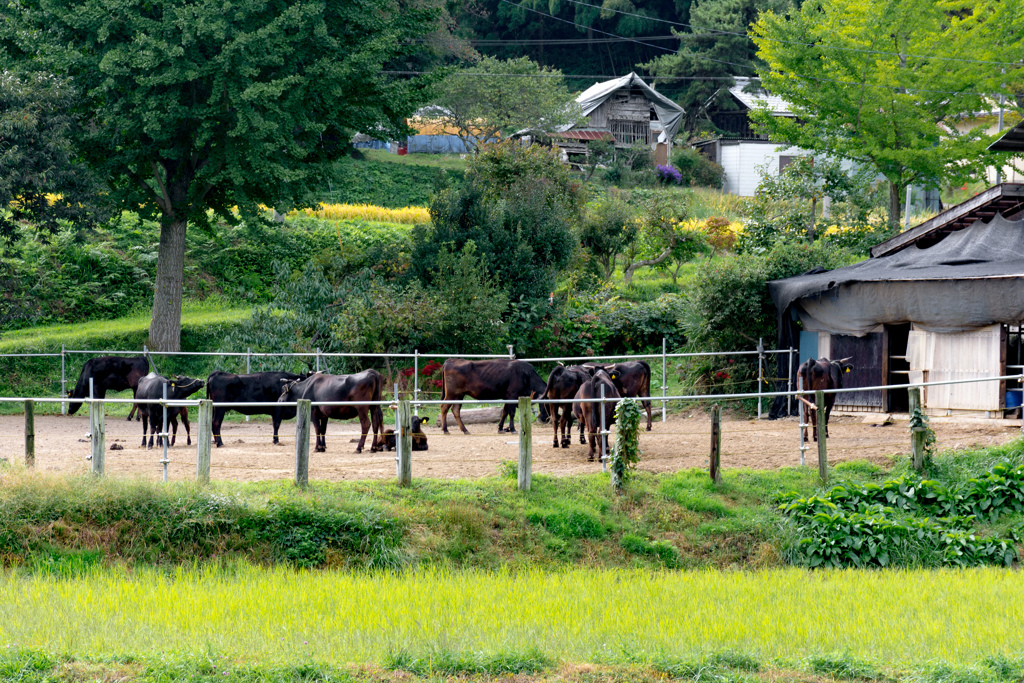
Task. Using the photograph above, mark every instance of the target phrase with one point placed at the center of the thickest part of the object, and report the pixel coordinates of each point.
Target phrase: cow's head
(182, 386)
(843, 364)
(286, 388)
(418, 424)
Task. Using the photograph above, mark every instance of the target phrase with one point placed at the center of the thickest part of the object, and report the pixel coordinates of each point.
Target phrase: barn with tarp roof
(943, 300)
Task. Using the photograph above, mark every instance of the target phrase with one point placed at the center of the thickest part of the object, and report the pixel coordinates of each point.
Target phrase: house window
(629, 132)
(785, 161)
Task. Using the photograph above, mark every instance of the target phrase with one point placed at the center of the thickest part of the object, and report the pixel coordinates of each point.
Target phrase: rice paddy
(602, 616)
(368, 212)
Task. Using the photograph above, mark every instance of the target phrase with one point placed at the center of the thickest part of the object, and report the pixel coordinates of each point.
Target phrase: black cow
(489, 380)
(151, 387)
(109, 373)
(419, 439)
(563, 383)
(258, 387)
(362, 386)
(632, 379)
(819, 375)
(588, 412)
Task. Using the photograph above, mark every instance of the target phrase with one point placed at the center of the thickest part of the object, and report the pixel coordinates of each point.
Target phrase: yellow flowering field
(367, 212)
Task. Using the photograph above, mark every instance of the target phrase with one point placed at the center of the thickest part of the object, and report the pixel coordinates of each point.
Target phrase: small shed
(625, 111)
(736, 146)
(944, 300)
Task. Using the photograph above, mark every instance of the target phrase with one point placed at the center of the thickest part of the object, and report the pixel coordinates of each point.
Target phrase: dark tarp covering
(972, 278)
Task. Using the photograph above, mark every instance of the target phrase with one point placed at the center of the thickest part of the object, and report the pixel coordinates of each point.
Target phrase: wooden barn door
(867, 355)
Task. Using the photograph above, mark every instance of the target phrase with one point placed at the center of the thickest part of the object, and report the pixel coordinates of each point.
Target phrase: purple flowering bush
(668, 174)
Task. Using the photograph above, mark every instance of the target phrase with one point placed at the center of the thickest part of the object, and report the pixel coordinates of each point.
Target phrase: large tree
(887, 83)
(196, 107)
(494, 97)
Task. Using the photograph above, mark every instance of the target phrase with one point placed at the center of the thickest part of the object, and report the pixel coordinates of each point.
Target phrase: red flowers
(721, 375)
(407, 372)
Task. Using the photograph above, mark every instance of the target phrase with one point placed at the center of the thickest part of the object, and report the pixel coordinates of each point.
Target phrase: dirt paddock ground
(683, 442)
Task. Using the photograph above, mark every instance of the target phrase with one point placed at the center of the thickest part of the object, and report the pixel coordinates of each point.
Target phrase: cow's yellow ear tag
(847, 369)
(173, 385)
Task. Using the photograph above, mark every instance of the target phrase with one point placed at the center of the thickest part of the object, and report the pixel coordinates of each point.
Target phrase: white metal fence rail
(403, 436)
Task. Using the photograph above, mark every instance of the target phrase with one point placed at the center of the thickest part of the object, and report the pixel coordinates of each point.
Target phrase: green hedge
(390, 184)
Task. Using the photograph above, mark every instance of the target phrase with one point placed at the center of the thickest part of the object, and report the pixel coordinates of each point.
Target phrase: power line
(792, 42)
(558, 75)
(488, 42)
(777, 73)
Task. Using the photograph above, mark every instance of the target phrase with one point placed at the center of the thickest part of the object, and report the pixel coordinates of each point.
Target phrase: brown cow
(632, 379)
(563, 383)
(489, 380)
(588, 412)
(319, 387)
(819, 375)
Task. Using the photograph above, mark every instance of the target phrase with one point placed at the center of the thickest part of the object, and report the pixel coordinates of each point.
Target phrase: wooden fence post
(525, 442)
(917, 435)
(30, 434)
(405, 434)
(304, 412)
(203, 441)
(716, 444)
(97, 428)
(819, 401)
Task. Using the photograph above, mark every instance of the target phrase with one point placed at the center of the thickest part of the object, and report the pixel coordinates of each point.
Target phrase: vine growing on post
(626, 451)
(919, 422)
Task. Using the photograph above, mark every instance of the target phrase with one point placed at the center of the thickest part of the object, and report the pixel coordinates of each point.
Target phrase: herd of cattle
(579, 386)
(483, 380)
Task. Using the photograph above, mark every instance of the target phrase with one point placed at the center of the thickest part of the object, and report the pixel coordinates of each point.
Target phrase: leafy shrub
(696, 170)
(382, 183)
(520, 207)
(874, 524)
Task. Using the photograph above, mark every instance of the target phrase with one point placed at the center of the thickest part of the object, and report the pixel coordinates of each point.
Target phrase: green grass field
(528, 619)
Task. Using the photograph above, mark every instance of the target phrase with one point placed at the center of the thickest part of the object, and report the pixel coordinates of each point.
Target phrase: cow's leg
(592, 440)
(814, 424)
(218, 422)
(320, 424)
(647, 407)
(145, 427)
(275, 419)
(188, 429)
(173, 421)
(828, 414)
(510, 410)
(457, 412)
(364, 427)
(566, 427)
(554, 421)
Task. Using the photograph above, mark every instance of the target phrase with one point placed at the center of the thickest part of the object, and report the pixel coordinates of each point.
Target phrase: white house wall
(741, 160)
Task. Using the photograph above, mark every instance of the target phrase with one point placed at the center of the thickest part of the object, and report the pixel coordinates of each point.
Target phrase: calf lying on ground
(419, 439)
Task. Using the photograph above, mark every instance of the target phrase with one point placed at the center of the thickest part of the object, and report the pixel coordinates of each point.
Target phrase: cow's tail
(376, 411)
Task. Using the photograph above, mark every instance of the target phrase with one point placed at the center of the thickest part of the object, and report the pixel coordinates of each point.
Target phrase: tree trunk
(627, 276)
(814, 209)
(894, 203)
(165, 328)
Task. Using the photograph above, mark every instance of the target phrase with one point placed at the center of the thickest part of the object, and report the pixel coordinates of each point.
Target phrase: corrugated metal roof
(585, 135)
(1011, 141)
(752, 95)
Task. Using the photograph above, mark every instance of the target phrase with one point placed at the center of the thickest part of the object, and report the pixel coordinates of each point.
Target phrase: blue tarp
(436, 144)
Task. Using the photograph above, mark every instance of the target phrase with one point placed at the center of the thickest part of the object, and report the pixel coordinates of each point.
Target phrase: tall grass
(368, 212)
(610, 616)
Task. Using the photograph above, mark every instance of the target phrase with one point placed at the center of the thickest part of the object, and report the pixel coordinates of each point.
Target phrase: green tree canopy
(495, 97)
(890, 84)
(201, 105)
(519, 206)
(713, 49)
(42, 179)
